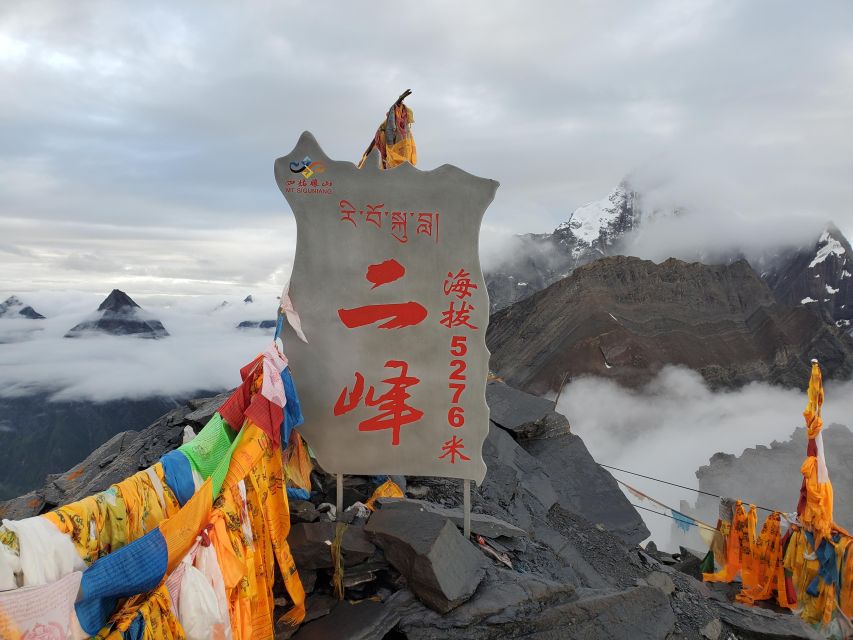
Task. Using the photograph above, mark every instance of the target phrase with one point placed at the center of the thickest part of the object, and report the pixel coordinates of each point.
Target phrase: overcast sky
(137, 139)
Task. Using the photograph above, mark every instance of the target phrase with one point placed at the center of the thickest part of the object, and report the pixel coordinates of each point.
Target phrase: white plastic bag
(47, 554)
(199, 613)
(10, 568)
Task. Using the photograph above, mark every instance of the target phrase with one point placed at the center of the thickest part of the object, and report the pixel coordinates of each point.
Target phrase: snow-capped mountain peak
(827, 246)
(597, 221)
(597, 225)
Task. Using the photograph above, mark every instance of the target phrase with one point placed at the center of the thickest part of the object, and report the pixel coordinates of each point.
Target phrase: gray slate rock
(511, 470)
(303, 511)
(481, 524)
(523, 606)
(310, 543)
(583, 487)
(204, 409)
(502, 602)
(661, 581)
(712, 630)
(758, 624)
(441, 568)
(367, 620)
(523, 414)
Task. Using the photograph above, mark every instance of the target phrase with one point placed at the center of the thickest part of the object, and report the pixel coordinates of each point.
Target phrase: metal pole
(339, 503)
(466, 503)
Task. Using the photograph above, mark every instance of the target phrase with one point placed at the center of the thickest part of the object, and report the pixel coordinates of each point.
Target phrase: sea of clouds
(204, 350)
(673, 425)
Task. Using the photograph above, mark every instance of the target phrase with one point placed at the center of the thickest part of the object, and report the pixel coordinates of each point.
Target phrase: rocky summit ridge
(119, 315)
(553, 552)
(625, 318)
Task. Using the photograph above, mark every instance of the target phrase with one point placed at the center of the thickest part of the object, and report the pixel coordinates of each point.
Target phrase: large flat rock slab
(525, 606)
(367, 620)
(758, 624)
(481, 523)
(584, 488)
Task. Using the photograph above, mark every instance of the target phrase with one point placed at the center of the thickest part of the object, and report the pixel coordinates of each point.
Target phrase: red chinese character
(396, 314)
(460, 317)
(453, 448)
(314, 182)
(459, 285)
(394, 412)
(384, 272)
(343, 405)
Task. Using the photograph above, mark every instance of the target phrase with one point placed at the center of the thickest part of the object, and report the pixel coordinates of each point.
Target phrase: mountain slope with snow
(819, 275)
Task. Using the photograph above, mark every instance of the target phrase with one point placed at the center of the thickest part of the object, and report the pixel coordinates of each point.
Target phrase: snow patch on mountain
(592, 222)
(807, 300)
(829, 246)
(830, 289)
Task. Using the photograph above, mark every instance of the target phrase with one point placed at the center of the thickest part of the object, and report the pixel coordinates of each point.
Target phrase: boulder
(661, 581)
(440, 567)
(303, 511)
(523, 414)
(311, 545)
(712, 630)
(690, 563)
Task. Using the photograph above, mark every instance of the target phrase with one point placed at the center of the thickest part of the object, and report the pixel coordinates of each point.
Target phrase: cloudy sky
(138, 139)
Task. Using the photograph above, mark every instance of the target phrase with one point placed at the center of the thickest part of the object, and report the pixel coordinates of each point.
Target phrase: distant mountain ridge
(12, 307)
(817, 274)
(119, 315)
(624, 318)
